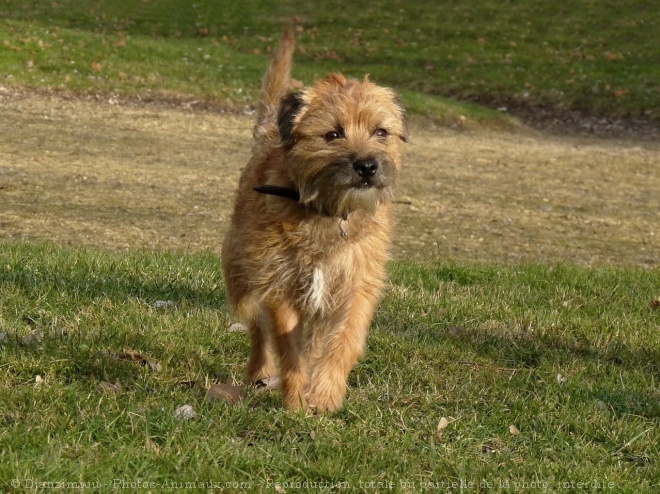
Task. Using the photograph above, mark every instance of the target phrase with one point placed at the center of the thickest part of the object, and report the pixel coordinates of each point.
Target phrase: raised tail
(277, 80)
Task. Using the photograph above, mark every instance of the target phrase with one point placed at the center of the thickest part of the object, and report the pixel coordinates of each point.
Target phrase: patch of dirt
(574, 122)
(126, 176)
(561, 120)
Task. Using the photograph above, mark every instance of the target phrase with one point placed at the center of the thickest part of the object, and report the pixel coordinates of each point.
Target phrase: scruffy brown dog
(304, 258)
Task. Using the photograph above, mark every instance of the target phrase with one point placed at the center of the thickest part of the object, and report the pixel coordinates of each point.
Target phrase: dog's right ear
(290, 107)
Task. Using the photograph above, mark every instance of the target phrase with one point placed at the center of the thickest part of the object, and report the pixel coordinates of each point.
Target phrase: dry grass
(126, 176)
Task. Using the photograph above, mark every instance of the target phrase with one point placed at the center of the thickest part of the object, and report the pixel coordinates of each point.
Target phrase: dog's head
(343, 138)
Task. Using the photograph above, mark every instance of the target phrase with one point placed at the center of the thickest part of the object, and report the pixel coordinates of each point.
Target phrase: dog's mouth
(349, 184)
(364, 184)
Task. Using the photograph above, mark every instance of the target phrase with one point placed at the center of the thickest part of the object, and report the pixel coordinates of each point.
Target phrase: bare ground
(125, 176)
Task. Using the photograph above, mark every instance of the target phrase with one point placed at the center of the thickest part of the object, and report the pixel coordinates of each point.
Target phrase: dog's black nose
(366, 168)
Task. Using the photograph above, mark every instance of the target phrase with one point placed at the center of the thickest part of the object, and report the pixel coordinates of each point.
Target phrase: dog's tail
(277, 80)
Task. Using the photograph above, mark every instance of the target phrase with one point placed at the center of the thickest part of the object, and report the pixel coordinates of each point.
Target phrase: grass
(547, 374)
(596, 57)
(567, 355)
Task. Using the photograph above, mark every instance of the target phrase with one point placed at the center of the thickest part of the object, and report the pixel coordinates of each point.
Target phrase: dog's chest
(324, 282)
(322, 265)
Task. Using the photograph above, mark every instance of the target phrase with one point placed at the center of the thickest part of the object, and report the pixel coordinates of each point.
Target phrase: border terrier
(304, 258)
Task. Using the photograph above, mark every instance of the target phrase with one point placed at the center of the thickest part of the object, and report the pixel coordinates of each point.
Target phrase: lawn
(595, 57)
(545, 375)
(522, 355)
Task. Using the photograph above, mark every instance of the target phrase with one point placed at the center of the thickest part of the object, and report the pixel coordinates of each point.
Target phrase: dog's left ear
(404, 117)
(290, 107)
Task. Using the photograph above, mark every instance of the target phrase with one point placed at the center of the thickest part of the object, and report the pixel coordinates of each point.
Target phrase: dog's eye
(332, 135)
(381, 133)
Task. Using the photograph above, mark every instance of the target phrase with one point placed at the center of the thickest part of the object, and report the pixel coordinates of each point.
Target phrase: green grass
(481, 345)
(599, 57)
(568, 355)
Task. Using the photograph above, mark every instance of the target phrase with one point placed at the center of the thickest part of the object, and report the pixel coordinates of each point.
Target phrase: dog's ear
(290, 107)
(404, 117)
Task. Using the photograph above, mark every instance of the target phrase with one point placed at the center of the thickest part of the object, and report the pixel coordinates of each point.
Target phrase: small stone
(237, 328)
(185, 412)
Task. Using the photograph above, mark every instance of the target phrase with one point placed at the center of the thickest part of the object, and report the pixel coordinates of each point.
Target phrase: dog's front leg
(334, 355)
(286, 327)
(263, 359)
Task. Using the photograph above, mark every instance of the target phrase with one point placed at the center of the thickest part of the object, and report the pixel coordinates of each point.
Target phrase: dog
(304, 258)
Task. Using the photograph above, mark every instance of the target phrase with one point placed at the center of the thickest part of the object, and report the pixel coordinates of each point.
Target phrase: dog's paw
(326, 400)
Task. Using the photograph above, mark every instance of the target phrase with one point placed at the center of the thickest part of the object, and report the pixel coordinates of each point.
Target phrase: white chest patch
(317, 289)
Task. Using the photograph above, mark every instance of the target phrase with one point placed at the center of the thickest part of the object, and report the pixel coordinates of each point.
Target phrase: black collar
(276, 190)
(294, 195)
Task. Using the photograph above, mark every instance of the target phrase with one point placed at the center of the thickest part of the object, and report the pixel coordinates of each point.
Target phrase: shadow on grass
(524, 314)
(75, 310)
(536, 317)
(69, 279)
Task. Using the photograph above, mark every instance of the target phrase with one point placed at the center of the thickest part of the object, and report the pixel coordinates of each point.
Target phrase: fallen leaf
(33, 337)
(38, 379)
(514, 430)
(328, 55)
(225, 392)
(494, 446)
(106, 387)
(185, 412)
(456, 330)
(152, 446)
(442, 425)
(188, 383)
(655, 304)
(560, 379)
(133, 356)
(153, 365)
(97, 67)
(601, 405)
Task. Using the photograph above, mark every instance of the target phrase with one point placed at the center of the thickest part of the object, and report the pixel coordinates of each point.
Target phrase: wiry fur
(307, 293)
